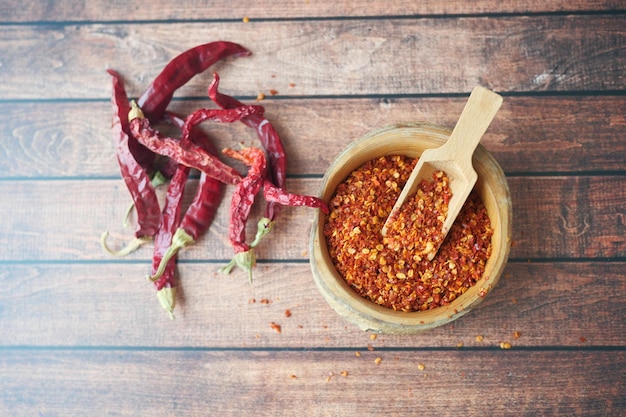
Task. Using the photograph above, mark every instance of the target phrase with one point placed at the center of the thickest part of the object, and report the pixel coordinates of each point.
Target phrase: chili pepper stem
(132, 246)
(264, 227)
(244, 260)
(167, 298)
(134, 112)
(180, 240)
(247, 259)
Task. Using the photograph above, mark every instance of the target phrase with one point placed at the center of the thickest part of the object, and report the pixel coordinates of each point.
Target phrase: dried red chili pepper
(166, 289)
(137, 180)
(142, 155)
(221, 115)
(180, 70)
(269, 138)
(241, 204)
(277, 195)
(200, 213)
(243, 199)
(192, 155)
(245, 193)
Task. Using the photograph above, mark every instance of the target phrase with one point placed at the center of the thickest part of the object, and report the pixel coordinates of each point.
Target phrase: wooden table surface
(82, 332)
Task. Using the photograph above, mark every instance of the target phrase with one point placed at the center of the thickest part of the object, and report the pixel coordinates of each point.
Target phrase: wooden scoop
(454, 157)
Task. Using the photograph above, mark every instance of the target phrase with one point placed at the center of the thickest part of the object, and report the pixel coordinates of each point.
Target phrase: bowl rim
(366, 314)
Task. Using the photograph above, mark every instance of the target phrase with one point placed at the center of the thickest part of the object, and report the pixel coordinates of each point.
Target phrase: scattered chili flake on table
(276, 327)
(394, 271)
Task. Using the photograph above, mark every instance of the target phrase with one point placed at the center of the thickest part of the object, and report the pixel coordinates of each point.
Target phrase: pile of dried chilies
(138, 143)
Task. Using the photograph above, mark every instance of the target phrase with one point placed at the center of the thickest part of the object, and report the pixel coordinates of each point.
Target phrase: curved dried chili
(166, 289)
(269, 138)
(191, 155)
(137, 180)
(245, 193)
(243, 199)
(180, 70)
(278, 195)
(200, 213)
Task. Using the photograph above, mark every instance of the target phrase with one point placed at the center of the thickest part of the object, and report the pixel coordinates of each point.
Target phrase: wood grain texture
(72, 10)
(553, 217)
(327, 57)
(83, 333)
(529, 135)
(286, 383)
(577, 305)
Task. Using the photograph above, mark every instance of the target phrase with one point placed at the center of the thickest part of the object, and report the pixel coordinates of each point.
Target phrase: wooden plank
(552, 220)
(77, 141)
(112, 304)
(553, 217)
(197, 383)
(327, 57)
(71, 10)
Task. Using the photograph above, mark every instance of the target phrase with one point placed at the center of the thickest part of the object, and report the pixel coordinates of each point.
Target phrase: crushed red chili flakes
(276, 327)
(394, 271)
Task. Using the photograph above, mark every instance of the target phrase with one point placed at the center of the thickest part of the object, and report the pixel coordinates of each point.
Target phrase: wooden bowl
(410, 140)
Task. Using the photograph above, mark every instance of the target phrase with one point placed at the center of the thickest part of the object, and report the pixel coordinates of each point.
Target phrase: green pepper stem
(180, 240)
(264, 227)
(244, 260)
(132, 246)
(167, 298)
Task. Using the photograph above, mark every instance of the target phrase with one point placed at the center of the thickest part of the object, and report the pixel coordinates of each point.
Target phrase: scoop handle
(480, 110)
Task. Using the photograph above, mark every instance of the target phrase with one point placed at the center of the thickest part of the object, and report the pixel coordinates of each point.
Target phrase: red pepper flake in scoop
(394, 271)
